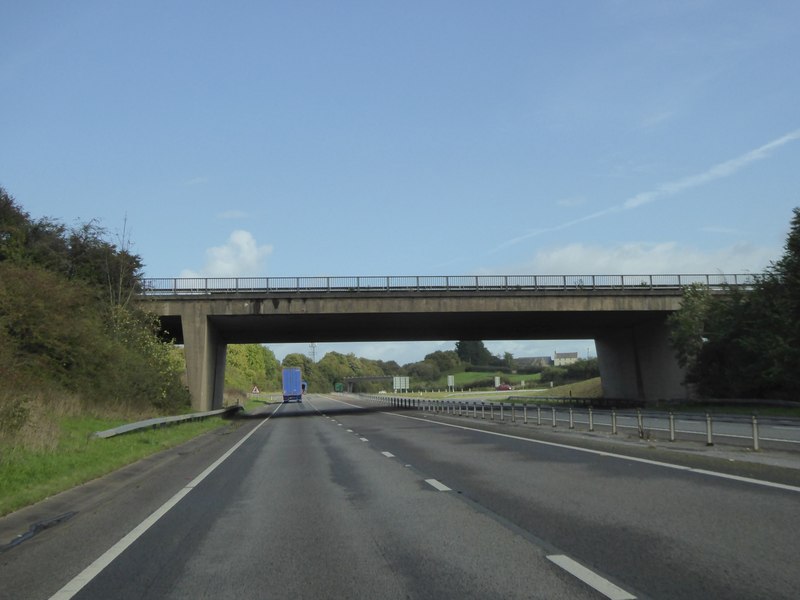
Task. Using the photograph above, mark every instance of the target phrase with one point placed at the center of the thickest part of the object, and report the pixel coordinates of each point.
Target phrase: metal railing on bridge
(437, 283)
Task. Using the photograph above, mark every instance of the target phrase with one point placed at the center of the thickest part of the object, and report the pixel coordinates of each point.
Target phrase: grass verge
(30, 475)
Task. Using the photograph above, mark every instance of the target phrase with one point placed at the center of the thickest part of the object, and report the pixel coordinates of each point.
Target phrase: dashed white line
(438, 485)
(364, 439)
(388, 454)
(590, 578)
(749, 480)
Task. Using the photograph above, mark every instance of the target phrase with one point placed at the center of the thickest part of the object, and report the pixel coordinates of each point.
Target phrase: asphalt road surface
(331, 498)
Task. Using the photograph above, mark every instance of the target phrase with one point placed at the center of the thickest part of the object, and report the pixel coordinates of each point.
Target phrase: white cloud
(655, 119)
(241, 256)
(571, 201)
(670, 188)
(640, 258)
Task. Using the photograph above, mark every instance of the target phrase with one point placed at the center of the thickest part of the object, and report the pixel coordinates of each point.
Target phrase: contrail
(664, 190)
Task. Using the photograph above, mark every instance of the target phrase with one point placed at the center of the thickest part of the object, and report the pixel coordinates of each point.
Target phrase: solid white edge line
(761, 482)
(84, 577)
(750, 480)
(437, 485)
(590, 578)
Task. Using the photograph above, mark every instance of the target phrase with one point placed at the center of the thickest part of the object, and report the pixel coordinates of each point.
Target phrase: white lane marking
(388, 454)
(590, 578)
(349, 431)
(646, 461)
(94, 569)
(761, 482)
(437, 485)
(364, 439)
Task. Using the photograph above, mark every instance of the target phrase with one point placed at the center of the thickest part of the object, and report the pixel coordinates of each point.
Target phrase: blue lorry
(293, 385)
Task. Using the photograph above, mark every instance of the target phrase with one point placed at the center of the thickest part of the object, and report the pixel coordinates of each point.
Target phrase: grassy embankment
(590, 388)
(57, 450)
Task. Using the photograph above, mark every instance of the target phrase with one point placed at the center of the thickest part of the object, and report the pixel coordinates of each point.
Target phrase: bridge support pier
(205, 360)
(640, 363)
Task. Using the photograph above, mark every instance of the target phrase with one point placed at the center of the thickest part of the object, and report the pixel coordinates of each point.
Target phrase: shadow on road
(308, 411)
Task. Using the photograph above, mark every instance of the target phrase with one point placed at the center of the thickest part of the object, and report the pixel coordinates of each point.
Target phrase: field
(468, 378)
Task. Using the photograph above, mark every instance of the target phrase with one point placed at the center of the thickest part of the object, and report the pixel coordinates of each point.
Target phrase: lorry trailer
(293, 385)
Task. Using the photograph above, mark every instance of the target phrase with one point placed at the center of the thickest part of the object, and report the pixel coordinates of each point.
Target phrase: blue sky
(404, 138)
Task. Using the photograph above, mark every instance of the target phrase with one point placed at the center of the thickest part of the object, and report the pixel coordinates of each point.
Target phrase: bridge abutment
(639, 362)
(205, 359)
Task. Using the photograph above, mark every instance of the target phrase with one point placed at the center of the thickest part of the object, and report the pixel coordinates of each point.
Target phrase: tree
(473, 352)
(58, 331)
(445, 361)
(745, 344)
(688, 325)
(778, 297)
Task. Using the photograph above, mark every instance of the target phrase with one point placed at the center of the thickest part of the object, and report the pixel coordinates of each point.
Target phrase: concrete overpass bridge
(625, 315)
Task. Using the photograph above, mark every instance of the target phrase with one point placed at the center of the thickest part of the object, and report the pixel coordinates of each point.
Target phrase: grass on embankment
(28, 475)
(591, 388)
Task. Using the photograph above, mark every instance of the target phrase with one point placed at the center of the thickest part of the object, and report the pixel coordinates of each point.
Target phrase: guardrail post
(502, 415)
(474, 410)
(591, 419)
(513, 413)
(491, 411)
(640, 423)
(554, 416)
(524, 414)
(709, 434)
(538, 415)
(483, 410)
(671, 427)
(571, 419)
(755, 434)
(613, 421)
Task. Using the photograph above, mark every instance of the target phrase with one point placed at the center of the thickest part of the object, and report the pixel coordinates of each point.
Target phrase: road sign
(400, 383)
